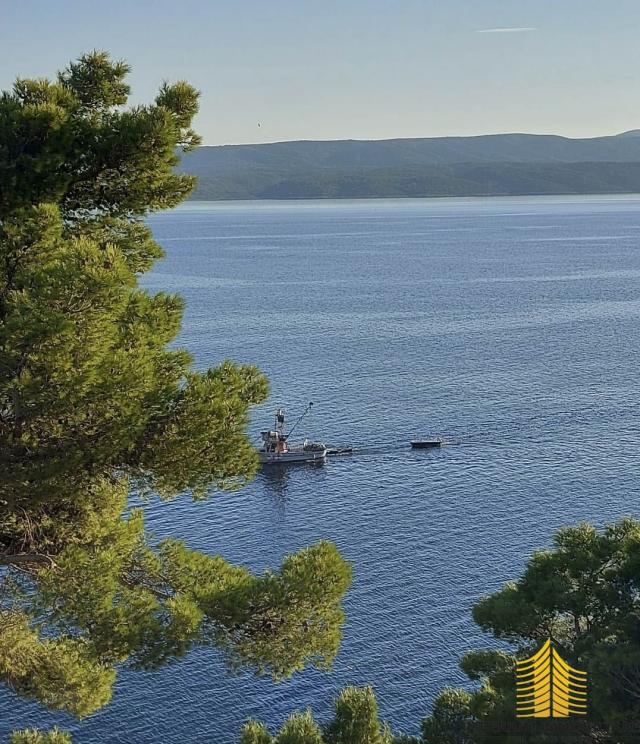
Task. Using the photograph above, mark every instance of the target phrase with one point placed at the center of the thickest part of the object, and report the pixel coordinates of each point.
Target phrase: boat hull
(284, 458)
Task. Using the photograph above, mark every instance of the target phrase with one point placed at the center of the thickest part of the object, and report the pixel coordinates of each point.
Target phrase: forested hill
(499, 164)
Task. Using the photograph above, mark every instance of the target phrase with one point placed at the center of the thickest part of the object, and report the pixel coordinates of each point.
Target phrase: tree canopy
(96, 400)
(584, 593)
(355, 722)
(35, 736)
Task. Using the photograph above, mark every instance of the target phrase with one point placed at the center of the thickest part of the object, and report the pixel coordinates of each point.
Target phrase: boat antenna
(304, 413)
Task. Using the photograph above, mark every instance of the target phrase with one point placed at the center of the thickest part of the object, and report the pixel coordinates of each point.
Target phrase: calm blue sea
(509, 326)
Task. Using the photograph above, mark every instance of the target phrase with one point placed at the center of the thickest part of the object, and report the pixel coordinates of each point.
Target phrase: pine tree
(35, 736)
(355, 721)
(94, 403)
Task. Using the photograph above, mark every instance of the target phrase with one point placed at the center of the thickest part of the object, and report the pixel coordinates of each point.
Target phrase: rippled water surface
(509, 326)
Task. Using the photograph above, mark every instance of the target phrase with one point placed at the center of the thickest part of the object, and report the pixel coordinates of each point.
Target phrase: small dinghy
(426, 443)
(276, 449)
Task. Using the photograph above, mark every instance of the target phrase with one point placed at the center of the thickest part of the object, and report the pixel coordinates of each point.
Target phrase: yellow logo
(547, 687)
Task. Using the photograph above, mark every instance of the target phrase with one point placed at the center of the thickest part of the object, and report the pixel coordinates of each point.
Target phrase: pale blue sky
(363, 69)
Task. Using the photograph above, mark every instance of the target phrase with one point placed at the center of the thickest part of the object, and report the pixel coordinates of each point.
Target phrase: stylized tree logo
(547, 687)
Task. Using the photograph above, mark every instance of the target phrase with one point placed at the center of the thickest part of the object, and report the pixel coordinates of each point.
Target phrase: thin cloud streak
(510, 30)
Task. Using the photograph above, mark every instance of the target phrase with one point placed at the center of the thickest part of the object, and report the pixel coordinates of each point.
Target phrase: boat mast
(280, 424)
(304, 413)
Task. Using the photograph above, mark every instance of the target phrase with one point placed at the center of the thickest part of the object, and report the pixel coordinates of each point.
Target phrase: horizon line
(506, 30)
(440, 136)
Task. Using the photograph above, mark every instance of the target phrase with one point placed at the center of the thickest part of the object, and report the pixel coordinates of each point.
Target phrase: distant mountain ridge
(496, 164)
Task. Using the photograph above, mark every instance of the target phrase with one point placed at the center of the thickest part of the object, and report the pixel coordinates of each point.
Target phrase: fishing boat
(276, 449)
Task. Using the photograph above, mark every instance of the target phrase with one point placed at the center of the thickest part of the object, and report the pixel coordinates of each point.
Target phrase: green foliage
(284, 621)
(122, 600)
(69, 142)
(449, 722)
(573, 592)
(34, 736)
(254, 732)
(60, 672)
(300, 728)
(146, 605)
(356, 719)
(355, 722)
(585, 593)
(95, 400)
(88, 386)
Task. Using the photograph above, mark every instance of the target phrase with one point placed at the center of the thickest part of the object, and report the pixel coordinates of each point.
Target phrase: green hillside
(508, 164)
